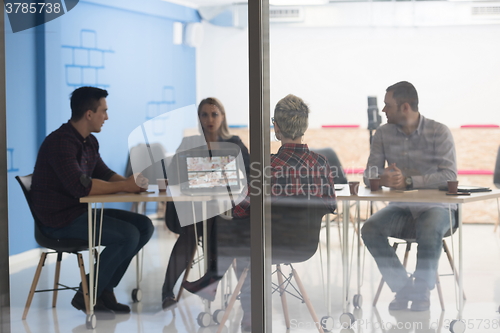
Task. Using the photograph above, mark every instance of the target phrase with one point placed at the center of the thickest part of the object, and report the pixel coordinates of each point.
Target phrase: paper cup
(162, 184)
(353, 188)
(452, 186)
(375, 184)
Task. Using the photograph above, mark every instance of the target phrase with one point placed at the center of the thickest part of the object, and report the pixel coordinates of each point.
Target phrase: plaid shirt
(64, 169)
(295, 170)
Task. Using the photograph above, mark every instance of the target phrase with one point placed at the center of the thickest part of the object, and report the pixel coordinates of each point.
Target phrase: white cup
(162, 184)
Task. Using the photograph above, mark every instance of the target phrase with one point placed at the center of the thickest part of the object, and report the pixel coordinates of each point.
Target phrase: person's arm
(115, 184)
(106, 181)
(116, 178)
(242, 209)
(64, 163)
(376, 160)
(446, 163)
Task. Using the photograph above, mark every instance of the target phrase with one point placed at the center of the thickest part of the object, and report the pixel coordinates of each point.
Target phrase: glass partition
(339, 57)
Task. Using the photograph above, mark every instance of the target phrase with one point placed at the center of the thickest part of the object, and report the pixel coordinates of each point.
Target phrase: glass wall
(291, 79)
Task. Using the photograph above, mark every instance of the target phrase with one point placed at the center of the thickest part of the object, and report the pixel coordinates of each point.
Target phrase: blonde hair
(223, 129)
(291, 114)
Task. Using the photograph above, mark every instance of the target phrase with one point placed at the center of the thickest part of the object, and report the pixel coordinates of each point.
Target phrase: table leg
(346, 318)
(458, 325)
(205, 234)
(460, 265)
(205, 252)
(357, 301)
(345, 255)
(91, 321)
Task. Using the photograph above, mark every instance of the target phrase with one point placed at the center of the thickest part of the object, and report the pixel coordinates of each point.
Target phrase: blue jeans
(123, 234)
(428, 229)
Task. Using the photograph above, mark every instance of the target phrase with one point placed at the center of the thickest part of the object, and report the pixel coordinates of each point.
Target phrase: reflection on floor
(482, 287)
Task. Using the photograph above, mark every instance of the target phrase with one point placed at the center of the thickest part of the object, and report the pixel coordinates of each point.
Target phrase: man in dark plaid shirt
(69, 167)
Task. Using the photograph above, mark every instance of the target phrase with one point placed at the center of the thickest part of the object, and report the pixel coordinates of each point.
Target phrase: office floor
(481, 284)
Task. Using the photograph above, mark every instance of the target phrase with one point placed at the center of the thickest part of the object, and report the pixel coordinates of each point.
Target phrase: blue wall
(122, 46)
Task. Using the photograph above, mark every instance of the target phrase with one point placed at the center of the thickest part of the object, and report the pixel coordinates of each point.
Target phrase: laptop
(204, 172)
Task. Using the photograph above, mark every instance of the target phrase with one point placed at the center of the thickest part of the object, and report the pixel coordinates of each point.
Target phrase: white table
(94, 200)
(421, 196)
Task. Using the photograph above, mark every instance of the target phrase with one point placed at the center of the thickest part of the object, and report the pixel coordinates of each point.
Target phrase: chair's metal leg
(56, 279)
(306, 299)
(283, 296)
(232, 300)
(41, 263)
(85, 286)
(440, 292)
(381, 284)
(452, 265)
(407, 252)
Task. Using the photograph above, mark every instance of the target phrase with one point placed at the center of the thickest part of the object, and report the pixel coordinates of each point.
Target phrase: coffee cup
(375, 184)
(452, 186)
(353, 188)
(162, 184)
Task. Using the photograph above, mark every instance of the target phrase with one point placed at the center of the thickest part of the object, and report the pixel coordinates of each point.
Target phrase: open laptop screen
(210, 172)
(204, 172)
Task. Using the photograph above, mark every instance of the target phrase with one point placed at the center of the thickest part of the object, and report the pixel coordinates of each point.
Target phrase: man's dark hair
(85, 98)
(404, 92)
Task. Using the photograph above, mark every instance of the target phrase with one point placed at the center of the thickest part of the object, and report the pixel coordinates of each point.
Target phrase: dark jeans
(123, 234)
(428, 229)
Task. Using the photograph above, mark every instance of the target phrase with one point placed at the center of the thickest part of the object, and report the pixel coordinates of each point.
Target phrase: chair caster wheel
(457, 326)
(136, 295)
(346, 320)
(91, 322)
(347, 330)
(327, 323)
(217, 316)
(357, 301)
(204, 319)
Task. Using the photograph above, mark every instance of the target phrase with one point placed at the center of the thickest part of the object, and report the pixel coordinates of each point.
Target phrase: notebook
(467, 188)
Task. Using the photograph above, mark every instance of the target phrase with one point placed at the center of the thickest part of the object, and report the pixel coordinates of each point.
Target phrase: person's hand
(142, 182)
(131, 186)
(393, 177)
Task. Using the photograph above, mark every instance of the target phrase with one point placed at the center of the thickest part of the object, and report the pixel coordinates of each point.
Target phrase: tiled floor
(482, 287)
